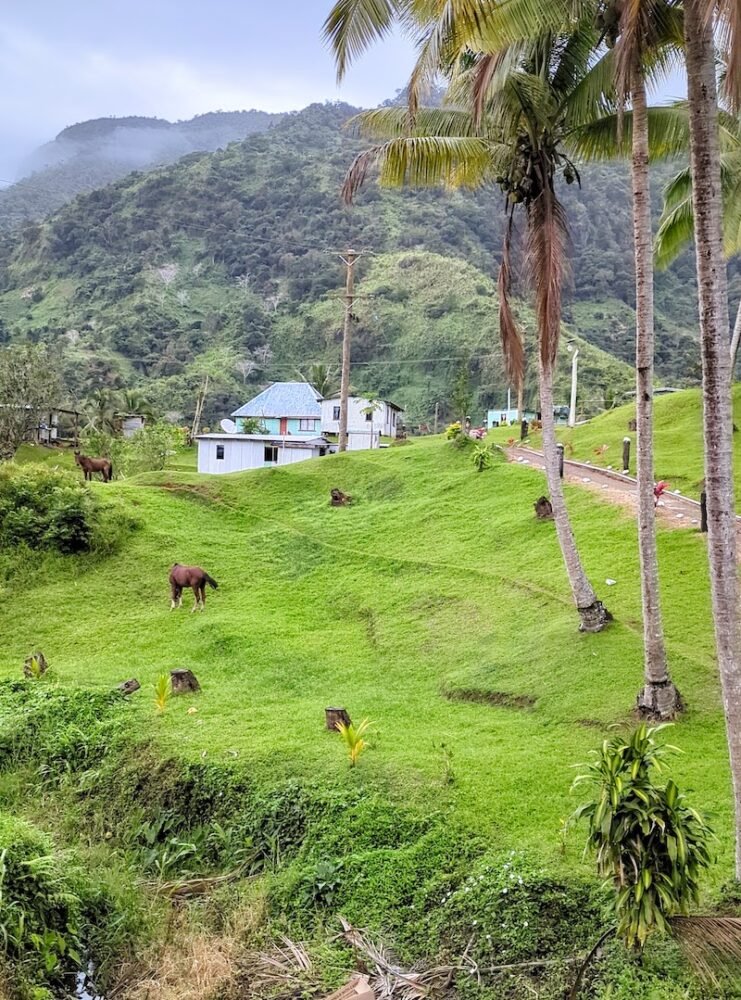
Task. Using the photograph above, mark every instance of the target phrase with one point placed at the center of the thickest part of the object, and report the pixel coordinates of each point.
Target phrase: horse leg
(202, 591)
(177, 596)
(195, 595)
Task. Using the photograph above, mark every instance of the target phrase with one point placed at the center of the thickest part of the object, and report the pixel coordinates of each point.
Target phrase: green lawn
(437, 579)
(678, 444)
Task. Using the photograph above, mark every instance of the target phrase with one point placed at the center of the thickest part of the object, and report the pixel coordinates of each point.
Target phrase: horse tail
(210, 579)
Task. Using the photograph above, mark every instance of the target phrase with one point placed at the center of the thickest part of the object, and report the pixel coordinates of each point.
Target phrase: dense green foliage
(45, 508)
(131, 281)
(95, 153)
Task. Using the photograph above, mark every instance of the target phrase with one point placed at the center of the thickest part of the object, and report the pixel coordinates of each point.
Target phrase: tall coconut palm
(528, 106)
(637, 27)
(705, 162)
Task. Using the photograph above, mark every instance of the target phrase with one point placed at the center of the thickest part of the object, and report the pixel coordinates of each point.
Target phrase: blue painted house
(283, 408)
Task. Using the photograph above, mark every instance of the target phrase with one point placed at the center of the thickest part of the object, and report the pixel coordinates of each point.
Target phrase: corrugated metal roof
(283, 399)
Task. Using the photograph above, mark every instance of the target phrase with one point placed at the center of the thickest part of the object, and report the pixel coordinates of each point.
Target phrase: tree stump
(333, 716)
(184, 682)
(339, 499)
(128, 687)
(35, 664)
(543, 508)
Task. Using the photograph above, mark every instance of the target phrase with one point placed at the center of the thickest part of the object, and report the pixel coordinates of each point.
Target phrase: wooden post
(559, 448)
(523, 430)
(332, 716)
(437, 415)
(626, 454)
(703, 511)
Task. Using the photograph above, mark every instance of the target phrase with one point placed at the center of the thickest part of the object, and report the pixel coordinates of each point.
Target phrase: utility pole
(349, 258)
(574, 367)
(437, 415)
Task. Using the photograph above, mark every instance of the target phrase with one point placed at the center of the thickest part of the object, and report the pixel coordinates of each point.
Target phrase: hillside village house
(289, 416)
(365, 426)
(293, 419)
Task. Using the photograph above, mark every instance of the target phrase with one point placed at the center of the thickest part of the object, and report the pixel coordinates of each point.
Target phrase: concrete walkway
(674, 509)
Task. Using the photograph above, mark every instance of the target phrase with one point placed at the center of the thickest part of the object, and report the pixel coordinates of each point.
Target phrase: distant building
(365, 426)
(292, 419)
(130, 423)
(505, 417)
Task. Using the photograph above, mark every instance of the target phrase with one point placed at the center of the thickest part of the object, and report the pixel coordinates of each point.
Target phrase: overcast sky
(62, 63)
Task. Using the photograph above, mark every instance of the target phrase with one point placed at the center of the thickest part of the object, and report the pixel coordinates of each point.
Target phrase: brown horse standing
(90, 466)
(189, 576)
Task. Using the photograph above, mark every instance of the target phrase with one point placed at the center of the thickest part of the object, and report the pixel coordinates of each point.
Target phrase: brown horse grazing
(91, 465)
(189, 576)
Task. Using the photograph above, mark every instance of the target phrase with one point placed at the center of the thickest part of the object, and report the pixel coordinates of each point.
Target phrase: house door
(284, 425)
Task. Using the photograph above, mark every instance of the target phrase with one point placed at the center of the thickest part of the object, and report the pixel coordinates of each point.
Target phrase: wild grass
(436, 579)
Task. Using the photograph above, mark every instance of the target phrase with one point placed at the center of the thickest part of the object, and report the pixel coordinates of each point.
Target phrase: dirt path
(674, 510)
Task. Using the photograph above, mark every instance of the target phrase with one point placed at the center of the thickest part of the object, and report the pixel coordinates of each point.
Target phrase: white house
(218, 453)
(365, 426)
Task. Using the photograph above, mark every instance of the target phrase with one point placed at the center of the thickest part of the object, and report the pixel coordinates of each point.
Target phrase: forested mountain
(225, 260)
(95, 153)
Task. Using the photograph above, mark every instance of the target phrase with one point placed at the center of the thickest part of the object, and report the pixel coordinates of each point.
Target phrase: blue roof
(283, 399)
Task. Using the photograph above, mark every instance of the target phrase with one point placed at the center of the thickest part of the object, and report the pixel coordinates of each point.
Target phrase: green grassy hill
(436, 606)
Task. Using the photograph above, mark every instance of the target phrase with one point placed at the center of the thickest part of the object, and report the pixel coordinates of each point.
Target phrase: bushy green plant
(482, 457)
(453, 430)
(650, 844)
(45, 508)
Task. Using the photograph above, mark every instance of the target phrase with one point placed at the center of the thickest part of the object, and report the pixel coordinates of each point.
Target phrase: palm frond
(729, 25)
(547, 237)
(393, 123)
(512, 21)
(676, 230)
(593, 95)
(424, 161)
(668, 130)
(509, 331)
(712, 945)
(353, 25)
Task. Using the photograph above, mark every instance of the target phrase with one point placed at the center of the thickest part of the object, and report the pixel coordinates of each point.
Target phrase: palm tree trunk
(658, 698)
(735, 340)
(593, 614)
(716, 381)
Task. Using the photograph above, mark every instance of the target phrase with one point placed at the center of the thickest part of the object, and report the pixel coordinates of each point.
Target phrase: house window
(393, 417)
(369, 416)
(306, 424)
(220, 452)
(335, 413)
(271, 454)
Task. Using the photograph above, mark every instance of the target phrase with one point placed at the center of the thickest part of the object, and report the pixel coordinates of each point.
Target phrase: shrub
(453, 430)
(45, 509)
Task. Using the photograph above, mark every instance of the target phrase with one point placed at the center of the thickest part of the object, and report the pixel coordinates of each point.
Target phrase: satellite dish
(228, 426)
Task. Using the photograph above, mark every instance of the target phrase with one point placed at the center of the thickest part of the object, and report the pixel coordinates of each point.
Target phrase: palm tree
(322, 377)
(529, 104)
(705, 163)
(134, 401)
(100, 411)
(637, 31)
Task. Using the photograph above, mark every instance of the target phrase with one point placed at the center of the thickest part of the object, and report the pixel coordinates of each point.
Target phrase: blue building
(283, 408)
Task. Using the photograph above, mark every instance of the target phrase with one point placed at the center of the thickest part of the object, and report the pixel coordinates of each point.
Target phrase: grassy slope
(436, 577)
